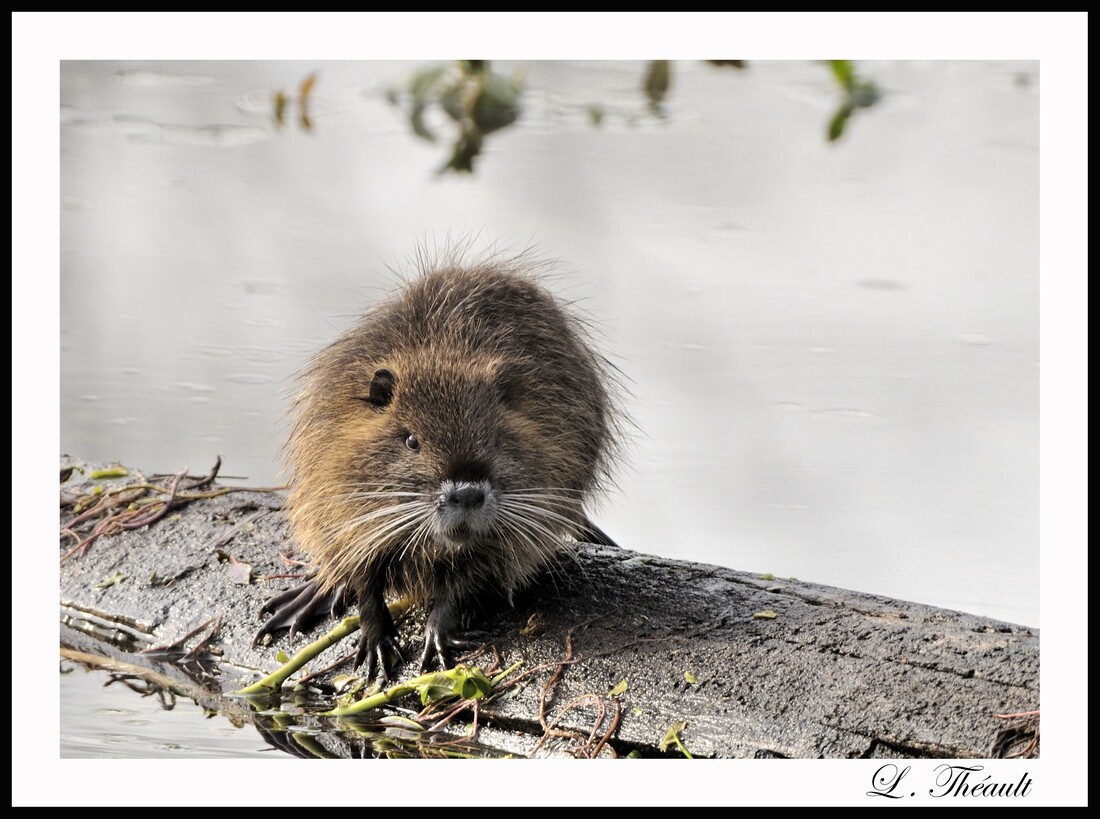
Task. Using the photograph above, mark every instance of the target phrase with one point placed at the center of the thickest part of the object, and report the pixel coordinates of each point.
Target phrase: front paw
(378, 646)
(300, 608)
(441, 640)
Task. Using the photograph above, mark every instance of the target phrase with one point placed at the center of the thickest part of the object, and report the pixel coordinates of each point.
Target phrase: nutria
(443, 449)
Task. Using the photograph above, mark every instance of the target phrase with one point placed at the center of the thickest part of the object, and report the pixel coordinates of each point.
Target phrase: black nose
(466, 496)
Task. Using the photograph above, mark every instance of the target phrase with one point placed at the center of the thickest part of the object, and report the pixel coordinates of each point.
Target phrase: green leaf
(117, 577)
(475, 684)
(453, 101)
(439, 687)
(497, 105)
(844, 73)
(347, 683)
(690, 678)
(672, 737)
(839, 120)
(618, 689)
(765, 615)
(766, 576)
(113, 472)
(423, 84)
(469, 683)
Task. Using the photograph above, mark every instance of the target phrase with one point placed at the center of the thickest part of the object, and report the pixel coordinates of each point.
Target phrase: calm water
(103, 719)
(832, 349)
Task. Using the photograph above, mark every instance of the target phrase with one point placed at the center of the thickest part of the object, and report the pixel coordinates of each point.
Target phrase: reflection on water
(111, 715)
(186, 679)
(107, 716)
(831, 347)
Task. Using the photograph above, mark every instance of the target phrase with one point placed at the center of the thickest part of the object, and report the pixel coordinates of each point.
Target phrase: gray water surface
(102, 718)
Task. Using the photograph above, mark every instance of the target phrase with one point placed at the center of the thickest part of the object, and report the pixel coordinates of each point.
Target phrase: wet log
(745, 665)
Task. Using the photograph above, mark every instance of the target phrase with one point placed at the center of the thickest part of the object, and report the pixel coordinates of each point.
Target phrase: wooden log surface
(834, 673)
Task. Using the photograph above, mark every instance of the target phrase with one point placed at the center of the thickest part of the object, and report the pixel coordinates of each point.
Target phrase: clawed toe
(441, 645)
(300, 608)
(380, 656)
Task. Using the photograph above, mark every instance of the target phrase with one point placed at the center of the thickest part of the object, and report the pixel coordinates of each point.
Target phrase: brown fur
(497, 382)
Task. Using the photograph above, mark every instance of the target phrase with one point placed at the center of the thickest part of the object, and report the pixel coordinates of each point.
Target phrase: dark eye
(412, 442)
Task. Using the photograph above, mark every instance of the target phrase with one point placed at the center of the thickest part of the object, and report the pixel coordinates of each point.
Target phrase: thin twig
(157, 514)
(610, 732)
(179, 491)
(209, 479)
(178, 644)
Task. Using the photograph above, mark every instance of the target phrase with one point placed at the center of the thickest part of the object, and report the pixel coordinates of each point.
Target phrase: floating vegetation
(282, 103)
(476, 100)
(858, 93)
(658, 78)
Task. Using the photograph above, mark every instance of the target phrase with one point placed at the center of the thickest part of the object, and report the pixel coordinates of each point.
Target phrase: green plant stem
(683, 750)
(500, 677)
(400, 690)
(274, 681)
(392, 693)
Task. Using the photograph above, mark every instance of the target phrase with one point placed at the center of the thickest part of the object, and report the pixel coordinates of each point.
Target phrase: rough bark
(835, 673)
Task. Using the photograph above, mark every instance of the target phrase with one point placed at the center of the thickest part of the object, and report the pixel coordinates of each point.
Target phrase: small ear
(381, 389)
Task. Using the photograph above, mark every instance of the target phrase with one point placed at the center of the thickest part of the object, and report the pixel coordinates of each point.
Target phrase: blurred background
(820, 282)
